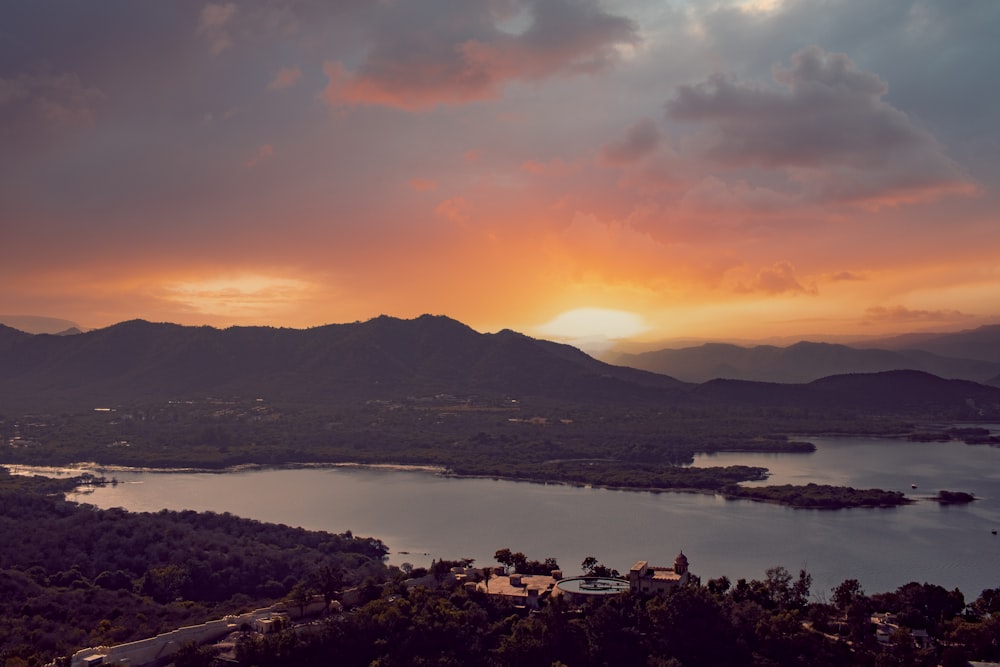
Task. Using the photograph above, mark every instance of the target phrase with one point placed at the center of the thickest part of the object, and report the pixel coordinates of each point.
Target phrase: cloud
(425, 54)
(827, 126)
(903, 314)
(38, 113)
(843, 276)
(641, 138)
(212, 23)
(263, 153)
(455, 209)
(285, 78)
(779, 278)
(422, 185)
(58, 100)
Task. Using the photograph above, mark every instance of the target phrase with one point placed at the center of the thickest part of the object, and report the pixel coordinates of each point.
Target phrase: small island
(954, 497)
(819, 496)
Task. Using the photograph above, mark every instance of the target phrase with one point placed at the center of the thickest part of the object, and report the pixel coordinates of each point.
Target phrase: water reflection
(422, 515)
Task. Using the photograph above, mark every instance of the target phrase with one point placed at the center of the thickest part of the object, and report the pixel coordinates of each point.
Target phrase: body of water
(421, 515)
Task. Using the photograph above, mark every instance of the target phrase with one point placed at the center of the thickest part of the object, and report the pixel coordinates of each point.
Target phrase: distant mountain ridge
(384, 357)
(981, 343)
(389, 358)
(36, 324)
(807, 361)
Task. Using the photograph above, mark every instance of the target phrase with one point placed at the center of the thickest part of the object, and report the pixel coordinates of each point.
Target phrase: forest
(773, 621)
(73, 576)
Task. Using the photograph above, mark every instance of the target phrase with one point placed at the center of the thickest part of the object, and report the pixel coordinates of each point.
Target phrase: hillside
(391, 359)
(982, 343)
(10, 337)
(801, 362)
(895, 391)
(37, 325)
(382, 358)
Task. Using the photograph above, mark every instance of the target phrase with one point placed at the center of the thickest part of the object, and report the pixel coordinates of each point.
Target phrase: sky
(581, 170)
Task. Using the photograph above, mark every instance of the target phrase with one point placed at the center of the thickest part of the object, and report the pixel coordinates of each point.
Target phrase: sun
(594, 324)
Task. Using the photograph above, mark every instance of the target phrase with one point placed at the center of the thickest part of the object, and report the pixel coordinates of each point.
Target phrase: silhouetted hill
(389, 358)
(382, 358)
(890, 390)
(982, 343)
(801, 362)
(36, 324)
(9, 336)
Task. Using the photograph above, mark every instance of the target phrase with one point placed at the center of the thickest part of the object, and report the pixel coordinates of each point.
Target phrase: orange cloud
(455, 209)
(779, 278)
(285, 78)
(422, 185)
(263, 153)
(903, 315)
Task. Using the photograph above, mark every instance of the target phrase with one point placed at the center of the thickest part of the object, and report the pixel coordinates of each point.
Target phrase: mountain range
(381, 358)
(968, 355)
(389, 358)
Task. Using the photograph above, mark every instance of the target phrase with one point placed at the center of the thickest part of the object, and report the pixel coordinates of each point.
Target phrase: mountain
(798, 363)
(891, 390)
(982, 343)
(10, 336)
(36, 324)
(390, 359)
(382, 358)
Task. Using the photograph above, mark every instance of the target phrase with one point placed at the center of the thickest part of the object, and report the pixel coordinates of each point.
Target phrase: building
(578, 590)
(527, 590)
(646, 579)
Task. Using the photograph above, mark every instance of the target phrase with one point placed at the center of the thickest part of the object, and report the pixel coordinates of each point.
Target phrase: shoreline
(75, 469)
(81, 468)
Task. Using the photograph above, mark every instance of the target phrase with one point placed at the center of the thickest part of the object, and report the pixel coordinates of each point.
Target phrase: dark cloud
(641, 138)
(423, 54)
(825, 114)
(934, 54)
(37, 112)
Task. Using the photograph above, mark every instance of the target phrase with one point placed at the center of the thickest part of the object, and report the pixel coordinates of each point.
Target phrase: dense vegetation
(757, 623)
(819, 496)
(623, 447)
(73, 576)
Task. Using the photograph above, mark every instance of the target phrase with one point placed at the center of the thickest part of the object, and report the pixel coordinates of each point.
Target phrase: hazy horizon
(594, 345)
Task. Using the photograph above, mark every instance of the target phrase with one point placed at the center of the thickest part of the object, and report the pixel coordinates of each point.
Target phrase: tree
(719, 586)
(846, 593)
(329, 580)
(588, 564)
(300, 596)
(504, 557)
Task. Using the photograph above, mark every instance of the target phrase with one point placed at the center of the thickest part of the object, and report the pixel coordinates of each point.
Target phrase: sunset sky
(566, 168)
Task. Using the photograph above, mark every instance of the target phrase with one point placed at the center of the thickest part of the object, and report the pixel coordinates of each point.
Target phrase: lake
(421, 515)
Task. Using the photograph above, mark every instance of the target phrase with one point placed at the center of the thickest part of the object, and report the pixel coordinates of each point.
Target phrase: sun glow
(248, 295)
(583, 323)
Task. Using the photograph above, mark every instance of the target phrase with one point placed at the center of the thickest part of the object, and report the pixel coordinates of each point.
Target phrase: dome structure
(681, 563)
